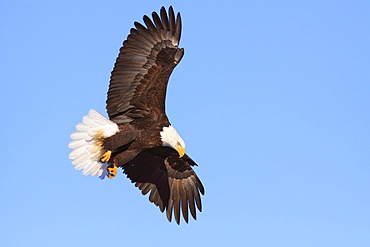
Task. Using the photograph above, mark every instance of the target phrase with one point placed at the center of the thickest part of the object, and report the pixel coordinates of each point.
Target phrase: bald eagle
(138, 136)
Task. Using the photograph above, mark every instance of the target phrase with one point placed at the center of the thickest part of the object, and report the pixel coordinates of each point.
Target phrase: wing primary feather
(148, 22)
(157, 20)
(200, 185)
(154, 195)
(184, 200)
(169, 210)
(191, 200)
(197, 197)
(155, 198)
(176, 199)
(139, 26)
(171, 15)
(146, 188)
(165, 19)
(178, 27)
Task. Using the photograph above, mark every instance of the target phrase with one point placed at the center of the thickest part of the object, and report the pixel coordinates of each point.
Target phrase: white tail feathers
(87, 143)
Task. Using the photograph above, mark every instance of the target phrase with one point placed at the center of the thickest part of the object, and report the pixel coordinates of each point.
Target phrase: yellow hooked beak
(180, 149)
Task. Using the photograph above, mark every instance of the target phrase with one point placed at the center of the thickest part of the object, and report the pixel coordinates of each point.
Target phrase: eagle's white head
(170, 138)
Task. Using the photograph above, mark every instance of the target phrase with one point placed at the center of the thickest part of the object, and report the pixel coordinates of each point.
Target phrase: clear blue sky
(272, 99)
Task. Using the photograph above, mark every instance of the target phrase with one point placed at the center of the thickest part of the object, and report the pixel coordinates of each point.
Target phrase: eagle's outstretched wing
(146, 60)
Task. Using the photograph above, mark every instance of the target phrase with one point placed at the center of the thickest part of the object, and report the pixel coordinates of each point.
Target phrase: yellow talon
(106, 156)
(112, 171)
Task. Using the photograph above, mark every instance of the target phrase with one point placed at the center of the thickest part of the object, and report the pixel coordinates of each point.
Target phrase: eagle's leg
(112, 171)
(106, 156)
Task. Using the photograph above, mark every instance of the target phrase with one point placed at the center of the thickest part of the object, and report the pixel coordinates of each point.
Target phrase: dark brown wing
(172, 183)
(146, 60)
(185, 187)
